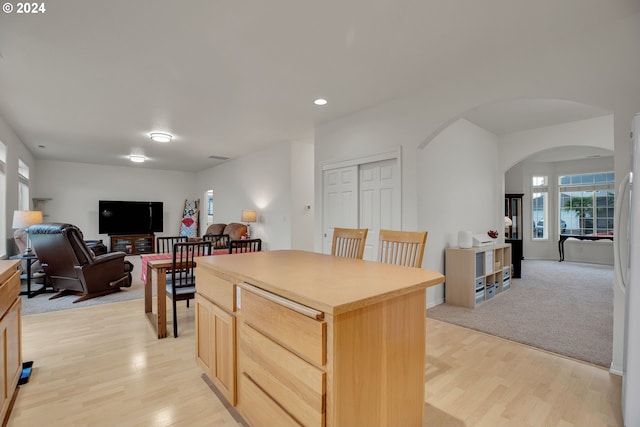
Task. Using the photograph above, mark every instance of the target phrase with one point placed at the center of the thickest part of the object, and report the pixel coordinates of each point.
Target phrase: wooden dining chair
(402, 247)
(164, 245)
(181, 282)
(349, 242)
(245, 245)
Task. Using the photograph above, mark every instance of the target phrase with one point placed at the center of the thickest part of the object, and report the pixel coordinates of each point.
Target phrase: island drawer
(9, 291)
(260, 410)
(216, 289)
(293, 383)
(283, 320)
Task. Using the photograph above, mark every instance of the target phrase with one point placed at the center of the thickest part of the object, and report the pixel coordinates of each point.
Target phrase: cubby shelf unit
(476, 275)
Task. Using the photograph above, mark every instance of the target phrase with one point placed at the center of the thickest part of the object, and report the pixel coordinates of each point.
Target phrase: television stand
(133, 244)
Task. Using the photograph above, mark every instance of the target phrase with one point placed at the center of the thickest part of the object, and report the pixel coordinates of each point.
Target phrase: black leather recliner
(72, 268)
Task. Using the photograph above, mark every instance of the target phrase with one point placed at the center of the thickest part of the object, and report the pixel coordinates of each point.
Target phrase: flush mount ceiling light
(160, 137)
(138, 158)
(320, 101)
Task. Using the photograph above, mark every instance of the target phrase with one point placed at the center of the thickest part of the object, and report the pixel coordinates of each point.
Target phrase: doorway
(364, 194)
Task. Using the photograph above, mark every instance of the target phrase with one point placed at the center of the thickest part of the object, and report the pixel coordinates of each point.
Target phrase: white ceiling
(88, 80)
(524, 114)
(562, 154)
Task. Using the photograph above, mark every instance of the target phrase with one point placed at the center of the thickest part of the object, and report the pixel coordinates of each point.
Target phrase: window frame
(539, 190)
(593, 186)
(23, 186)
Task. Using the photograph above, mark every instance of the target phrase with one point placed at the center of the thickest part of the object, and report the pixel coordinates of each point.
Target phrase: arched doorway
(576, 133)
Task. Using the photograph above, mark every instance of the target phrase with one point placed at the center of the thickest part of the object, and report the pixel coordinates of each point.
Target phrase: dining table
(154, 273)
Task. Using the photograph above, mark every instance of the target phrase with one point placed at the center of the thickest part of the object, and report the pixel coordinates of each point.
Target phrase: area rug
(562, 307)
(42, 304)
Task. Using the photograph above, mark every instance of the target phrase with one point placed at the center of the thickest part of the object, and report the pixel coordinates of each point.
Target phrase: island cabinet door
(10, 348)
(215, 346)
(281, 364)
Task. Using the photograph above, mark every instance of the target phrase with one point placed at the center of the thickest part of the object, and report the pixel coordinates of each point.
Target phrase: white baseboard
(615, 370)
(431, 304)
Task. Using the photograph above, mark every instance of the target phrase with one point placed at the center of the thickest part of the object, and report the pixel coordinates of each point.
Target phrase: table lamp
(25, 219)
(507, 222)
(248, 216)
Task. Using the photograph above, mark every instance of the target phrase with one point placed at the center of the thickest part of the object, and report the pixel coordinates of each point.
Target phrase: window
(586, 203)
(23, 186)
(209, 196)
(539, 207)
(3, 201)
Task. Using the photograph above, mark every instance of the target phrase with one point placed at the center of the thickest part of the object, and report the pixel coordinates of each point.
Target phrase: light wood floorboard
(102, 366)
(474, 379)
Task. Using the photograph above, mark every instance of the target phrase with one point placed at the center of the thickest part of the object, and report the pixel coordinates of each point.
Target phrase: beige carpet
(42, 304)
(563, 307)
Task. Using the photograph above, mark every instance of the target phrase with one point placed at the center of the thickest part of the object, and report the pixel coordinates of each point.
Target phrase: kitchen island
(300, 338)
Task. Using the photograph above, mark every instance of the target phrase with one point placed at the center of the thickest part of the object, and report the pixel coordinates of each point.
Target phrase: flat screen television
(121, 217)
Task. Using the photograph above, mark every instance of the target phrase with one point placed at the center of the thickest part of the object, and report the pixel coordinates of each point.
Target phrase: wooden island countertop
(327, 283)
(294, 338)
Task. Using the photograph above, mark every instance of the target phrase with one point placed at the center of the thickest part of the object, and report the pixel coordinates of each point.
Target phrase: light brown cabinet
(312, 345)
(133, 244)
(10, 338)
(216, 330)
(477, 275)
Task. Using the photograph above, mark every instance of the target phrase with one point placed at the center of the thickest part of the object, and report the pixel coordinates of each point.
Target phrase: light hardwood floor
(102, 366)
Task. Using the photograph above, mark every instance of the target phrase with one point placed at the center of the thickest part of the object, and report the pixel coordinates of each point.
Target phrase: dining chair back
(181, 282)
(245, 245)
(402, 247)
(349, 242)
(164, 244)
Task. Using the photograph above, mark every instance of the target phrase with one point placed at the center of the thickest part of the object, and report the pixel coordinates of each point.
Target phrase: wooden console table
(300, 338)
(564, 237)
(133, 244)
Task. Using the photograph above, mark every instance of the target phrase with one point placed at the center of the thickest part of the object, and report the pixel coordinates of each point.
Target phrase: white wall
(517, 146)
(457, 180)
(570, 69)
(76, 188)
(370, 133)
(302, 213)
(15, 150)
(263, 180)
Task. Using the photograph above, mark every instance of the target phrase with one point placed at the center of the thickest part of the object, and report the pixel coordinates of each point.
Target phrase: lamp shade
(248, 216)
(24, 219)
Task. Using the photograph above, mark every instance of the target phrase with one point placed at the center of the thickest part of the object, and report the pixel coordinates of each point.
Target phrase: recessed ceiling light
(161, 137)
(320, 101)
(138, 158)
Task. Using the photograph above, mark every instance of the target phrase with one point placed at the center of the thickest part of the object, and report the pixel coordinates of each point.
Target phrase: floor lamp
(25, 219)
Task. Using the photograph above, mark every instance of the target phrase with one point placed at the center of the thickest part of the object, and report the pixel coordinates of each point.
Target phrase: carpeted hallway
(563, 307)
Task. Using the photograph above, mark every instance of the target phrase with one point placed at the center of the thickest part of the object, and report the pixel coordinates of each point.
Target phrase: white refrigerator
(629, 277)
